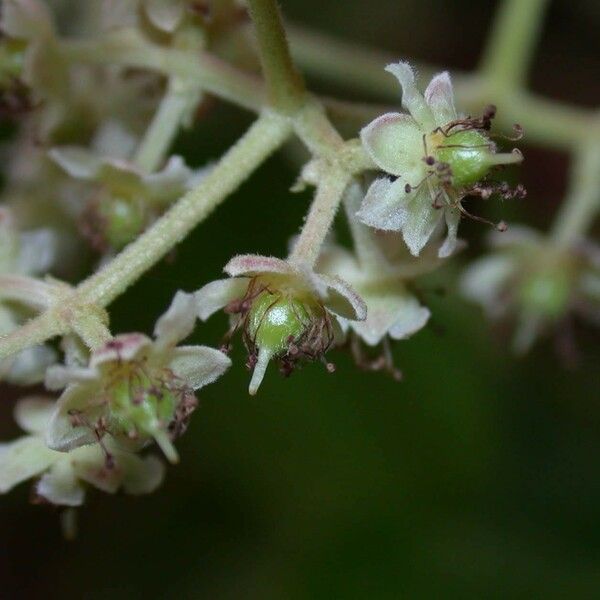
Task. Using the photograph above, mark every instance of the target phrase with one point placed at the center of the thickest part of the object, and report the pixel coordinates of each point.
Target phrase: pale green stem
(89, 323)
(158, 138)
(513, 40)
(578, 211)
(26, 290)
(320, 217)
(209, 72)
(268, 133)
(284, 82)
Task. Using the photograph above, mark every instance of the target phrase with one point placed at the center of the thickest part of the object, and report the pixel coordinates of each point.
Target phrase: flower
(164, 15)
(437, 158)
(135, 389)
(538, 283)
(127, 199)
(30, 252)
(62, 476)
(284, 309)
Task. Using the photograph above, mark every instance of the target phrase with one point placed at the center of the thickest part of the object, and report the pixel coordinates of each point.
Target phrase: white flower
(63, 477)
(284, 309)
(23, 253)
(392, 310)
(134, 388)
(436, 157)
(164, 15)
(530, 279)
(127, 199)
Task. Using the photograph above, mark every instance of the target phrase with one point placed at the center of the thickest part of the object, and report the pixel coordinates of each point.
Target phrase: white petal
(383, 206)
(61, 435)
(60, 486)
(171, 182)
(252, 264)
(38, 250)
(178, 322)
(33, 414)
(394, 142)
(342, 300)
(484, 280)
(141, 475)
(165, 14)
(412, 99)
(440, 97)
(60, 376)
(198, 365)
(77, 162)
(421, 222)
(89, 465)
(22, 459)
(26, 19)
(450, 244)
(515, 235)
(412, 319)
(217, 294)
(123, 347)
(29, 366)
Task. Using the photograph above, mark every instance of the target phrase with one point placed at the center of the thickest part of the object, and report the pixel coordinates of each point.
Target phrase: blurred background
(478, 476)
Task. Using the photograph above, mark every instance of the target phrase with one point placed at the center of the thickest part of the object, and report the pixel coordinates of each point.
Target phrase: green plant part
(12, 56)
(547, 292)
(119, 221)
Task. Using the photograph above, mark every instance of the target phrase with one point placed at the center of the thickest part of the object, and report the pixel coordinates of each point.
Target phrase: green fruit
(274, 319)
(546, 293)
(123, 221)
(468, 154)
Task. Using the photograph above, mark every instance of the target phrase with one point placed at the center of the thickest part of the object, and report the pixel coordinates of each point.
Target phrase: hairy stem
(284, 82)
(320, 217)
(92, 329)
(578, 211)
(514, 37)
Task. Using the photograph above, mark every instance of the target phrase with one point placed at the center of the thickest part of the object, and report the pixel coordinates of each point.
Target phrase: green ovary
(274, 319)
(546, 293)
(469, 162)
(123, 221)
(12, 54)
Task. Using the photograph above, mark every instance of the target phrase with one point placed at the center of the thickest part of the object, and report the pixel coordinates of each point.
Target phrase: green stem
(158, 138)
(284, 82)
(578, 211)
(92, 329)
(320, 217)
(514, 36)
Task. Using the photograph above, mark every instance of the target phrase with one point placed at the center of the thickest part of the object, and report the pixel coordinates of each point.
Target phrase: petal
(450, 244)
(165, 15)
(22, 459)
(38, 251)
(421, 221)
(29, 366)
(252, 264)
(167, 185)
(33, 414)
(412, 99)
(342, 300)
(60, 486)
(218, 294)
(141, 475)
(60, 376)
(126, 346)
(77, 162)
(391, 310)
(178, 322)
(394, 142)
(383, 205)
(198, 365)
(89, 464)
(439, 95)
(484, 280)
(61, 435)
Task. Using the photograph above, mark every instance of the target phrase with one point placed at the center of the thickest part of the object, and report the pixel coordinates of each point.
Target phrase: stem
(577, 212)
(26, 290)
(128, 49)
(164, 127)
(92, 329)
(320, 217)
(514, 37)
(263, 137)
(284, 82)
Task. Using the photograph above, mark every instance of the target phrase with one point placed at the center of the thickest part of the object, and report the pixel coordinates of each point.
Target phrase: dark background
(476, 477)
